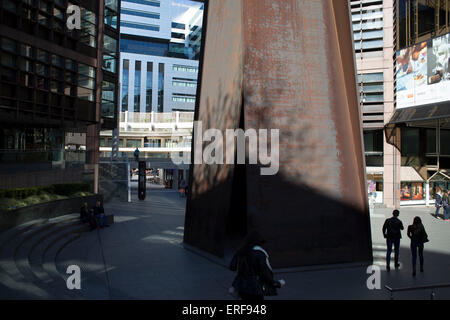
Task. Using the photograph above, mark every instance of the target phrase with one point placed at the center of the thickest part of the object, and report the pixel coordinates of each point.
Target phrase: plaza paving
(142, 256)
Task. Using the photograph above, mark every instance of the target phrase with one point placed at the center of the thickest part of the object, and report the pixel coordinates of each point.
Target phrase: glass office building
(56, 83)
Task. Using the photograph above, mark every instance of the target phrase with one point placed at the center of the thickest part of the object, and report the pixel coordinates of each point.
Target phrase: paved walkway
(141, 257)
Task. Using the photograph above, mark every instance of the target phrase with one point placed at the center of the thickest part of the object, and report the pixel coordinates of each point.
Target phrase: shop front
(375, 187)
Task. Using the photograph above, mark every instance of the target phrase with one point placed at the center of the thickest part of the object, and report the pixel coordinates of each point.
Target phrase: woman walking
(417, 234)
(254, 278)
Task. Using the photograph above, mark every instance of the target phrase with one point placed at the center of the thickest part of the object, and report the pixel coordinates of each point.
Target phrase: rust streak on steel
(287, 65)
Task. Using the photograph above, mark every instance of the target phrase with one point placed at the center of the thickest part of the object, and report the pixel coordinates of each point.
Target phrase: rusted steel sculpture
(287, 65)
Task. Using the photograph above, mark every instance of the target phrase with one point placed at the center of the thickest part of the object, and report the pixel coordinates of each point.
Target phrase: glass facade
(161, 87)
(137, 86)
(125, 79)
(141, 46)
(111, 13)
(109, 54)
(421, 20)
(108, 99)
(149, 84)
(373, 147)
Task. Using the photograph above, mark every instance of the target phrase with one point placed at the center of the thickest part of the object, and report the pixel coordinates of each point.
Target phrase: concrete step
(94, 280)
(23, 248)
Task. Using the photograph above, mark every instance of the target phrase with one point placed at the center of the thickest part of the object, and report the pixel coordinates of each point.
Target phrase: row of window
(372, 87)
(54, 18)
(137, 143)
(139, 25)
(153, 3)
(141, 13)
(137, 86)
(46, 71)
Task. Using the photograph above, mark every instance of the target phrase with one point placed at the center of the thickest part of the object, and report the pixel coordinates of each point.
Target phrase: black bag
(246, 281)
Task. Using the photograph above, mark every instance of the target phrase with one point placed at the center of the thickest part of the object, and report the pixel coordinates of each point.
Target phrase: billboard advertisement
(423, 73)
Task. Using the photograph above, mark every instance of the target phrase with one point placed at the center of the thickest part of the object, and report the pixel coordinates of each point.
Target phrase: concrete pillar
(391, 176)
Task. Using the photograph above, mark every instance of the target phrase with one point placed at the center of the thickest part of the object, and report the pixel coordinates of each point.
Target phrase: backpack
(247, 281)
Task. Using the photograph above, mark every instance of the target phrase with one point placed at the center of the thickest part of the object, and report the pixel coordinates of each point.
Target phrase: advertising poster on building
(423, 73)
(412, 191)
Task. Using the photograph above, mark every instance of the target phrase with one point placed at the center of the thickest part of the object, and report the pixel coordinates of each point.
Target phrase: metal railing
(156, 117)
(416, 288)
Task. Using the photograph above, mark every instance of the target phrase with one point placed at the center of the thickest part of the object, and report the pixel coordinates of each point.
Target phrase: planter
(45, 210)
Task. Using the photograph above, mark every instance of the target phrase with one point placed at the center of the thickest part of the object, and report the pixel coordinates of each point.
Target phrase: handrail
(435, 286)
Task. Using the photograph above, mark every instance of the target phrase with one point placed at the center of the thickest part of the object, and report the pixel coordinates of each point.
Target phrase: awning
(427, 112)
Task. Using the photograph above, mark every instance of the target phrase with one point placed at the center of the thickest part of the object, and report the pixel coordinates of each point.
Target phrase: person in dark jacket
(416, 232)
(254, 278)
(446, 205)
(99, 213)
(86, 216)
(392, 233)
(438, 203)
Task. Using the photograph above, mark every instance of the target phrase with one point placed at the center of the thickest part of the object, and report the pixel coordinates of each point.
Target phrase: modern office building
(406, 155)
(372, 22)
(160, 48)
(420, 126)
(160, 44)
(58, 88)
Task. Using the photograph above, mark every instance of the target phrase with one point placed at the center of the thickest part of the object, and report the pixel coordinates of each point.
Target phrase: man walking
(392, 233)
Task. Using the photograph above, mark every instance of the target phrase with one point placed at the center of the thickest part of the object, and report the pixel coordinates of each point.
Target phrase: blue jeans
(437, 211)
(101, 220)
(416, 246)
(446, 212)
(396, 243)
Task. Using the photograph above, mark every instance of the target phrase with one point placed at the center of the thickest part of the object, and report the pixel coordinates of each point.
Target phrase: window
(147, 47)
(125, 75)
(177, 25)
(108, 99)
(134, 143)
(139, 25)
(9, 45)
(373, 147)
(372, 87)
(109, 54)
(86, 82)
(185, 68)
(111, 8)
(140, 13)
(161, 87)
(88, 32)
(183, 98)
(137, 86)
(149, 84)
(412, 191)
(153, 3)
(184, 84)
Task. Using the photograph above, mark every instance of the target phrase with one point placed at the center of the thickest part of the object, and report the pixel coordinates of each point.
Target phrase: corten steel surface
(287, 65)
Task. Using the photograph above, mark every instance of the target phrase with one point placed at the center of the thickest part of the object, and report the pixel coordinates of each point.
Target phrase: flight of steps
(29, 254)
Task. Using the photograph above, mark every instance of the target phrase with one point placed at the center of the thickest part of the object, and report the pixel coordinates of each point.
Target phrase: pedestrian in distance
(446, 205)
(416, 232)
(182, 188)
(254, 278)
(438, 203)
(392, 233)
(99, 213)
